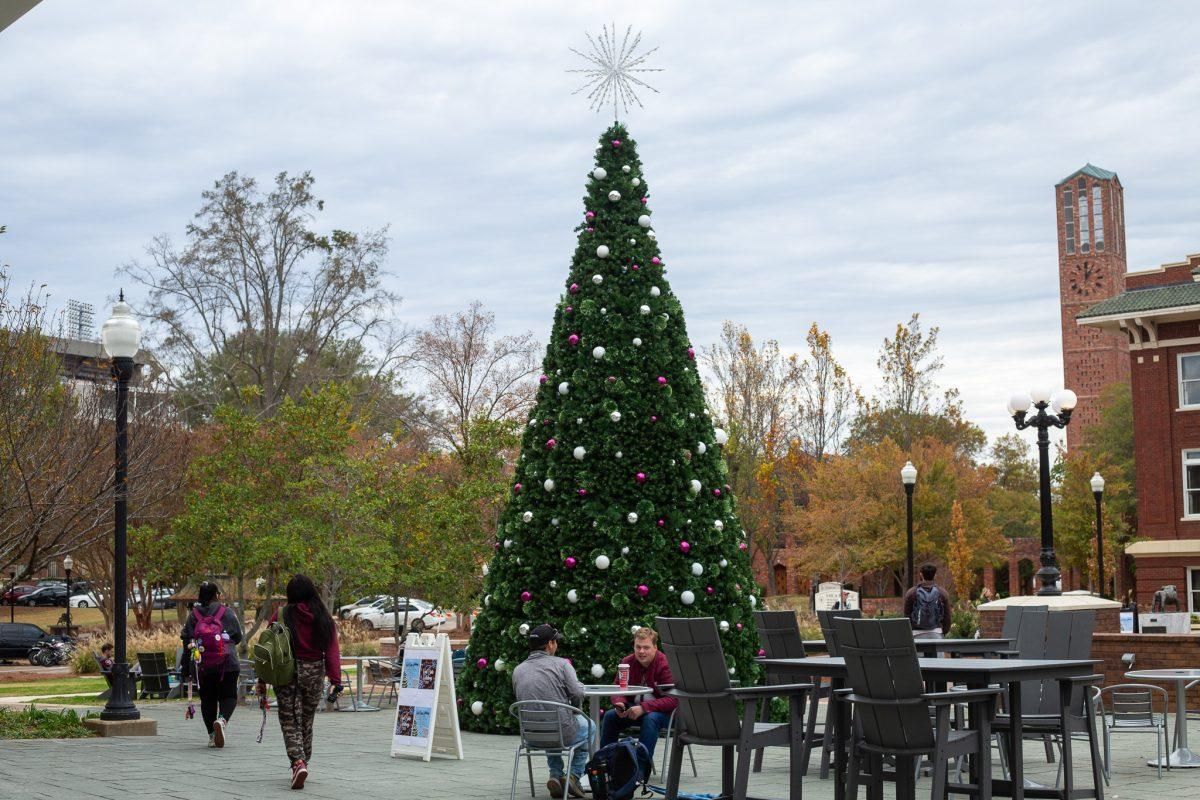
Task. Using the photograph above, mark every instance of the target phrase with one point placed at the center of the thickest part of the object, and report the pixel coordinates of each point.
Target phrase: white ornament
(724, 626)
(753, 601)
(644, 220)
(701, 448)
(527, 516)
(697, 569)
(598, 353)
(694, 487)
(624, 551)
(579, 453)
(572, 596)
(554, 522)
(721, 436)
(644, 310)
(625, 169)
(614, 195)
(487, 599)
(632, 517)
(477, 708)
(583, 631)
(603, 310)
(633, 241)
(500, 665)
(670, 588)
(507, 543)
(723, 563)
(597, 279)
(637, 341)
(655, 291)
(579, 420)
(636, 181)
(548, 485)
(619, 454)
(615, 416)
(634, 628)
(599, 173)
(652, 235)
(687, 598)
(597, 671)
(564, 387)
(732, 670)
(553, 584)
(718, 524)
(486, 569)
(602, 251)
(602, 562)
(524, 629)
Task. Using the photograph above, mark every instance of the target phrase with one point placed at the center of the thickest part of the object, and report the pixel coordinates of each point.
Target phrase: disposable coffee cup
(623, 676)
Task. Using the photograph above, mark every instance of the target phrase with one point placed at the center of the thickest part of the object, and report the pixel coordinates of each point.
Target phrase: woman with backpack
(212, 631)
(315, 646)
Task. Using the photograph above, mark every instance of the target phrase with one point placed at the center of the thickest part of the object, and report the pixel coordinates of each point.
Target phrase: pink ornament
(591, 230)
(662, 523)
(551, 444)
(546, 422)
(590, 215)
(597, 597)
(517, 488)
(685, 546)
(636, 267)
(691, 354)
(574, 288)
(616, 142)
(709, 589)
(582, 492)
(640, 477)
(739, 626)
(611, 379)
(716, 492)
(643, 589)
(526, 596)
(742, 546)
(645, 200)
(573, 339)
(495, 545)
(655, 260)
(568, 309)
(543, 378)
(653, 418)
(481, 663)
(570, 562)
(662, 381)
(761, 652)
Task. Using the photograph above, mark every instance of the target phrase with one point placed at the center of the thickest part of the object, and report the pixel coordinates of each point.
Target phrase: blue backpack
(616, 770)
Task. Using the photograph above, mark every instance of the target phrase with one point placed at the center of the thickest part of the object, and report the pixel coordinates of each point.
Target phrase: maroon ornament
(551, 444)
(568, 309)
(573, 339)
(643, 589)
(662, 523)
(636, 267)
(709, 589)
(653, 418)
(685, 546)
(611, 379)
(481, 663)
(644, 200)
(517, 488)
(526, 596)
(761, 652)
(570, 562)
(691, 354)
(640, 477)
(582, 492)
(574, 288)
(716, 492)
(543, 379)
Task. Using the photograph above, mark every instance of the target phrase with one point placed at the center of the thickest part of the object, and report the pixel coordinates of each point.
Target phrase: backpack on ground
(927, 611)
(616, 770)
(209, 631)
(274, 662)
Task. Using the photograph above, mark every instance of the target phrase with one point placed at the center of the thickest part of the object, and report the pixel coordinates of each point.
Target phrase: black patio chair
(155, 683)
(891, 714)
(825, 619)
(708, 709)
(779, 636)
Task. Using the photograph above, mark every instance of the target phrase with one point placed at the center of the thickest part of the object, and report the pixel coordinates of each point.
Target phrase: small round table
(594, 691)
(1181, 756)
(356, 702)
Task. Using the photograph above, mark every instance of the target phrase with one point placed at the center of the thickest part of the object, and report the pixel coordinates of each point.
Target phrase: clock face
(1085, 280)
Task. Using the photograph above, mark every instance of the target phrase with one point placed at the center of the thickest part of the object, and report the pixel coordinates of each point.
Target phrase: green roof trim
(1153, 298)
(1092, 170)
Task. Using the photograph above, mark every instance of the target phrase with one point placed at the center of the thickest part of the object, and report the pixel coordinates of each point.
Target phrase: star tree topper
(611, 74)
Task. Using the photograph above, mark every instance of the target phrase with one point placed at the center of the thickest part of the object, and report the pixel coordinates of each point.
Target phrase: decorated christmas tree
(619, 511)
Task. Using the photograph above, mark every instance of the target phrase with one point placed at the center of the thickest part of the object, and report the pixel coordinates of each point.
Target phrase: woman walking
(315, 646)
(212, 633)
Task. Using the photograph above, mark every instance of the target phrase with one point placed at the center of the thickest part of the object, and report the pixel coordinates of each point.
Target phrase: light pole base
(1048, 577)
(123, 727)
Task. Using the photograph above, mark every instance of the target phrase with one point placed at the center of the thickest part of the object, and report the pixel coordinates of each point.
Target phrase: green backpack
(272, 655)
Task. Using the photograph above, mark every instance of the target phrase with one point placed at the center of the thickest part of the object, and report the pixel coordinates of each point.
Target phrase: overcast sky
(808, 161)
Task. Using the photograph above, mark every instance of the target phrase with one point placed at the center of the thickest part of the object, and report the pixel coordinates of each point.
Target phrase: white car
(86, 600)
(356, 612)
(421, 616)
(344, 611)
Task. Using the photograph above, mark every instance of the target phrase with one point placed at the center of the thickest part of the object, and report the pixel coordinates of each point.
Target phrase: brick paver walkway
(351, 761)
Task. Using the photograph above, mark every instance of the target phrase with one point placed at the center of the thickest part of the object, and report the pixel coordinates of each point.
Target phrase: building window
(1189, 381)
(1098, 217)
(1069, 217)
(1191, 483)
(1081, 183)
(1193, 589)
(1085, 237)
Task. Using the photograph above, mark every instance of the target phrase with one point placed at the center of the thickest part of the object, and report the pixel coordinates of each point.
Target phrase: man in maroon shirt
(647, 667)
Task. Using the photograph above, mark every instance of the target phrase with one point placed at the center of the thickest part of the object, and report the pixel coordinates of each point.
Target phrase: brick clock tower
(1091, 268)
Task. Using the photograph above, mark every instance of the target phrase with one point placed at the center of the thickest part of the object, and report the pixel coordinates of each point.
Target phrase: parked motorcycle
(52, 652)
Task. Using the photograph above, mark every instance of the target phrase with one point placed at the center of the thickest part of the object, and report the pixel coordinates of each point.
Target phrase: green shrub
(964, 621)
(83, 662)
(35, 723)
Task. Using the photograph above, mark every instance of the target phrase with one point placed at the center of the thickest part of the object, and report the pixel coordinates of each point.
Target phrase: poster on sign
(426, 709)
(833, 597)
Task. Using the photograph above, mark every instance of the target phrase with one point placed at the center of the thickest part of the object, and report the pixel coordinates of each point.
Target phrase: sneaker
(299, 774)
(211, 743)
(218, 733)
(573, 787)
(555, 787)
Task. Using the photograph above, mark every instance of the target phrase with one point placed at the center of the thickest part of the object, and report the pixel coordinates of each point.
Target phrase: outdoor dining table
(594, 691)
(975, 673)
(357, 703)
(1182, 756)
(954, 647)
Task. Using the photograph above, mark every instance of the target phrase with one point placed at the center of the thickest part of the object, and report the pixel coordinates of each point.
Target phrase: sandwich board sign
(426, 708)
(832, 597)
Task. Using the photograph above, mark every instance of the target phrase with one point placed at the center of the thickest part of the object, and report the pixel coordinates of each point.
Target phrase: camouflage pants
(297, 704)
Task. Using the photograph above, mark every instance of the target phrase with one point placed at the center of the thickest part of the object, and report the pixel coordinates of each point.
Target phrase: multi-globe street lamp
(120, 336)
(1098, 493)
(1059, 416)
(908, 476)
(68, 563)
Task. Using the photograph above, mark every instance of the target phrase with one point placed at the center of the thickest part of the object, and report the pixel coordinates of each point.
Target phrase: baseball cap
(542, 635)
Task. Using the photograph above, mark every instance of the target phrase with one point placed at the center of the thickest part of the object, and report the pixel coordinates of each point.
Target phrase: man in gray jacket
(545, 676)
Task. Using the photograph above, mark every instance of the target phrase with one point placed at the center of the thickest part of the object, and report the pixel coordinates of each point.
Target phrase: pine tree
(620, 510)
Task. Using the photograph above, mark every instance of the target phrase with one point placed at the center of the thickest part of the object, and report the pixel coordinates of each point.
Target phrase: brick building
(1157, 318)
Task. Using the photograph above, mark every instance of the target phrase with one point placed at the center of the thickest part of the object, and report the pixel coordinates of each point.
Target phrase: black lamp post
(908, 476)
(1058, 417)
(1098, 493)
(120, 335)
(68, 562)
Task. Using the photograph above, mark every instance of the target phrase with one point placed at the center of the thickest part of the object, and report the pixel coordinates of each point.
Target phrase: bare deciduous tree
(826, 397)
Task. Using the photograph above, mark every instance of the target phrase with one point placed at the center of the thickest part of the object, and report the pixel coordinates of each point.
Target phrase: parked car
(15, 593)
(375, 605)
(159, 598)
(421, 616)
(84, 600)
(344, 611)
(46, 596)
(17, 639)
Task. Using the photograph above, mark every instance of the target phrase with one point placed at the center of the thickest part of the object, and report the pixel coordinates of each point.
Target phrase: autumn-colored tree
(827, 398)
(959, 557)
(1075, 516)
